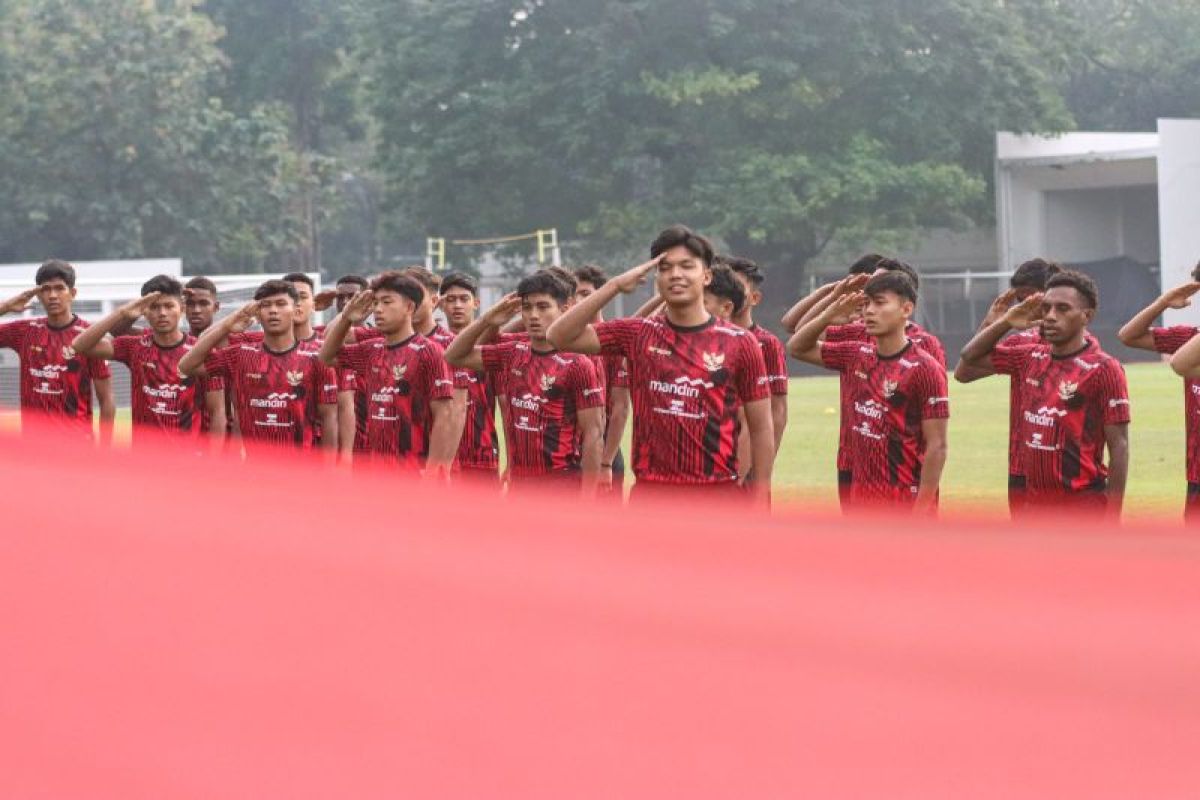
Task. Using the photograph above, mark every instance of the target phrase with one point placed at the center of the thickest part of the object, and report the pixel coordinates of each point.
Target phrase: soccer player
(724, 296)
(478, 456)
(200, 306)
(774, 356)
(1028, 279)
(424, 322)
(588, 279)
(554, 428)
(411, 421)
(867, 265)
(162, 401)
(689, 375)
(1074, 399)
(56, 383)
(346, 287)
(897, 398)
(279, 388)
(1141, 332)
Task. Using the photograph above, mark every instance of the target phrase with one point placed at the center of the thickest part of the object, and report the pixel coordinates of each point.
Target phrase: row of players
(706, 385)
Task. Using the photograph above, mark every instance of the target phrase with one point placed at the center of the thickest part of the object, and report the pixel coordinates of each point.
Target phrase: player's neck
(744, 319)
(541, 345)
(169, 339)
(279, 342)
(401, 334)
(426, 329)
(60, 320)
(303, 331)
(1071, 346)
(891, 343)
(457, 329)
(689, 316)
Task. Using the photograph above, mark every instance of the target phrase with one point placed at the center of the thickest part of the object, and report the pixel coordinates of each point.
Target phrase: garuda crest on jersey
(1067, 390)
(68, 352)
(398, 371)
(714, 362)
(889, 388)
(295, 378)
(548, 382)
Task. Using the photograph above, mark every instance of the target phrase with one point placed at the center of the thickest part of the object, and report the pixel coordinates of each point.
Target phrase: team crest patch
(714, 361)
(1067, 390)
(295, 378)
(68, 352)
(889, 388)
(398, 371)
(547, 382)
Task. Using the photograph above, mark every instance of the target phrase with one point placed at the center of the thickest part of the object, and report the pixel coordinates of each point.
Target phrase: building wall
(1179, 201)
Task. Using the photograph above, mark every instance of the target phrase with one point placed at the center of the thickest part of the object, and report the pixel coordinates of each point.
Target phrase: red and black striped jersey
(616, 376)
(275, 394)
(401, 382)
(1017, 339)
(1066, 402)
(775, 359)
(888, 400)
(687, 386)
(55, 381)
(545, 392)
(162, 400)
(1169, 340)
(857, 332)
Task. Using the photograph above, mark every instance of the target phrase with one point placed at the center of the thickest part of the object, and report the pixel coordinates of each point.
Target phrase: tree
(773, 125)
(114, 144)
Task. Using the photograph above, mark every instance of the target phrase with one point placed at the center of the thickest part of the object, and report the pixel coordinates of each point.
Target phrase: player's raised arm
(977, 352)
(464, 352)
(15, 305)
(355, 313)
(96, 342)
(805, 344)
(847, 285)
(650, 307)
(1137, 333)
(791, 320)
(192, 364)
(573, 331)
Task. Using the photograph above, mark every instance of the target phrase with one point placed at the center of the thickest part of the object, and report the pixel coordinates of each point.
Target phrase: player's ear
(74, 292)
(708, 276)
(1088, 315)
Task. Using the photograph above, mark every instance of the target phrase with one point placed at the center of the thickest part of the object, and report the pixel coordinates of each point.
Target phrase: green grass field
(976, 473)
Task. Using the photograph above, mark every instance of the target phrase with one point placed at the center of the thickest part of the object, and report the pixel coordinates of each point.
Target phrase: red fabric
(55, 382)
(265, 646)
(1169, 340)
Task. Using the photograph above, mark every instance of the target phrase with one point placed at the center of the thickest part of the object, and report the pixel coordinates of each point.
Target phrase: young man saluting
(689, 375)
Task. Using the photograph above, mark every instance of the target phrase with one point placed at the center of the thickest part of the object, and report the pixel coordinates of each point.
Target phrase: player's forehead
(302, 288)
(349, 287)
(1064, 296)
(277, 299)
(457, 293)
(679, 256)
(201, 296)
(538, 299)
(54, 284)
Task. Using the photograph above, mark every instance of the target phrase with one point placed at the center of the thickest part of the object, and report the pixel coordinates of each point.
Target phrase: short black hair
(357, 280)
(1079, 282)
(461, 280)
(402, 284)
(1196, 272)
(866, 265)
(429, 280)
(201, 282)
(300, 277)
(544, 282)
(895, 281)
(566, 277)
(744, 267)
(590, 273)
(163, 283)
(683, 236)
(275, 286)
(1034, 273)
(726, 286)
(896, 265)
(55, 270)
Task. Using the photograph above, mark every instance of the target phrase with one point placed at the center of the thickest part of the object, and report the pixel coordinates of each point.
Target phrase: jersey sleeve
(618, 337)
(326, 380)
(586, 388)
(1112, 393)
(1169, 340)
(839, 355)
(616, 372)
(930, 390)
(495, 356)
(123, 348)
(853, 332)
(1010, 359)
(352, 358)
(213, 383)
(219, 362)
(365, 333)
(12, 334)
(439, 378)
(99, 370)
(776, 363)
(933, 345)
(751, 382)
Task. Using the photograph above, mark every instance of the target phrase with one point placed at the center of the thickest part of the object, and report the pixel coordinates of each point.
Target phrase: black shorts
(1191, 508)
(844, 479)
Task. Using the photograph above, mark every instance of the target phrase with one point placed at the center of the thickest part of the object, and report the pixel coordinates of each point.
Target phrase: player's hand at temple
(630, 280)
(503, 311)
(137, 307)
(361, 306)
(846, 304)
(244, 317)
(1181, 296)
(323, 301)
(19, 303)
(999, 307)
(1026, 314)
